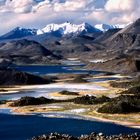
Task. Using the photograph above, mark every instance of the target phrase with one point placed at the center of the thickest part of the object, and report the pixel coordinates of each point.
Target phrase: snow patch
(106, 27)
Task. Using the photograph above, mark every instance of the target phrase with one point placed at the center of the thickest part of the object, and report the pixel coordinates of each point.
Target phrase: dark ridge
(13, 77)
(25, 101)
(87, 100)
(122, 104)
(24, 47)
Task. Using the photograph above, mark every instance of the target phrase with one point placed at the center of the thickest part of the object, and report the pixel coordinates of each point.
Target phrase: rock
(100, 136)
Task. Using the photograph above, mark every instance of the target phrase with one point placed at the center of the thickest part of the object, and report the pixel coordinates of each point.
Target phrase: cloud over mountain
(36, 13)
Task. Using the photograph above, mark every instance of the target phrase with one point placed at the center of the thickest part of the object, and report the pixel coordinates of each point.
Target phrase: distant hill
(26, 51)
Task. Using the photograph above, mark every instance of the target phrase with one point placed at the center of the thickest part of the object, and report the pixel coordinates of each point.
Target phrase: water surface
(54, 69)
(22, 127)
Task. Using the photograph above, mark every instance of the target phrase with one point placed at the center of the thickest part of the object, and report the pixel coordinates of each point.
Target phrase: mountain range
(119, 48)
(59, 30)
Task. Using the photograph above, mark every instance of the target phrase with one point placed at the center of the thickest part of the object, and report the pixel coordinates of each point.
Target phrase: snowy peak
(106, 27)
(68, 28)
(60, 30)
(19, 32)
(25, 31)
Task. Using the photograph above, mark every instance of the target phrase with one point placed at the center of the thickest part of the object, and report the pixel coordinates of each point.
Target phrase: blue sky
(38, 13)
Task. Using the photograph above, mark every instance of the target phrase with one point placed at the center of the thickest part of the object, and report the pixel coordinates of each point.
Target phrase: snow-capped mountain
(19, 32)
(59, 30)
(68, 28)
(106, 27)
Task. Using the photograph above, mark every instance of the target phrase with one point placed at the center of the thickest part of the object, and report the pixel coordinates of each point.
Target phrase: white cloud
(121, 5)
(70, 5)
(18, 6)
(123, 11)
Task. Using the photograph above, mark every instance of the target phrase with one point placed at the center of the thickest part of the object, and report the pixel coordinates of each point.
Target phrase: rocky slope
(126, 40)
(26, 52)
(80, 46)
(106, 35)
(121, 50)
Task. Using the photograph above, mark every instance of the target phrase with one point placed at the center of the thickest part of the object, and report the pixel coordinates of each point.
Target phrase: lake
(23, 127)
(55, 69)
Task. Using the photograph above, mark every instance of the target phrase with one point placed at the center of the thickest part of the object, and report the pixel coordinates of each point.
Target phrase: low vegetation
(122, 104)
(25, 101)
(65, 92)
(90, 100)
(126, 84)
(132, 91)
(2, 102)
(78, 79)
(86, 100)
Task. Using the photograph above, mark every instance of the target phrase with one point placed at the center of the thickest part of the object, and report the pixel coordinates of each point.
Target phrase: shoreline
(104, 84)
(127, 124)
(80, 116)
(59, 110)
